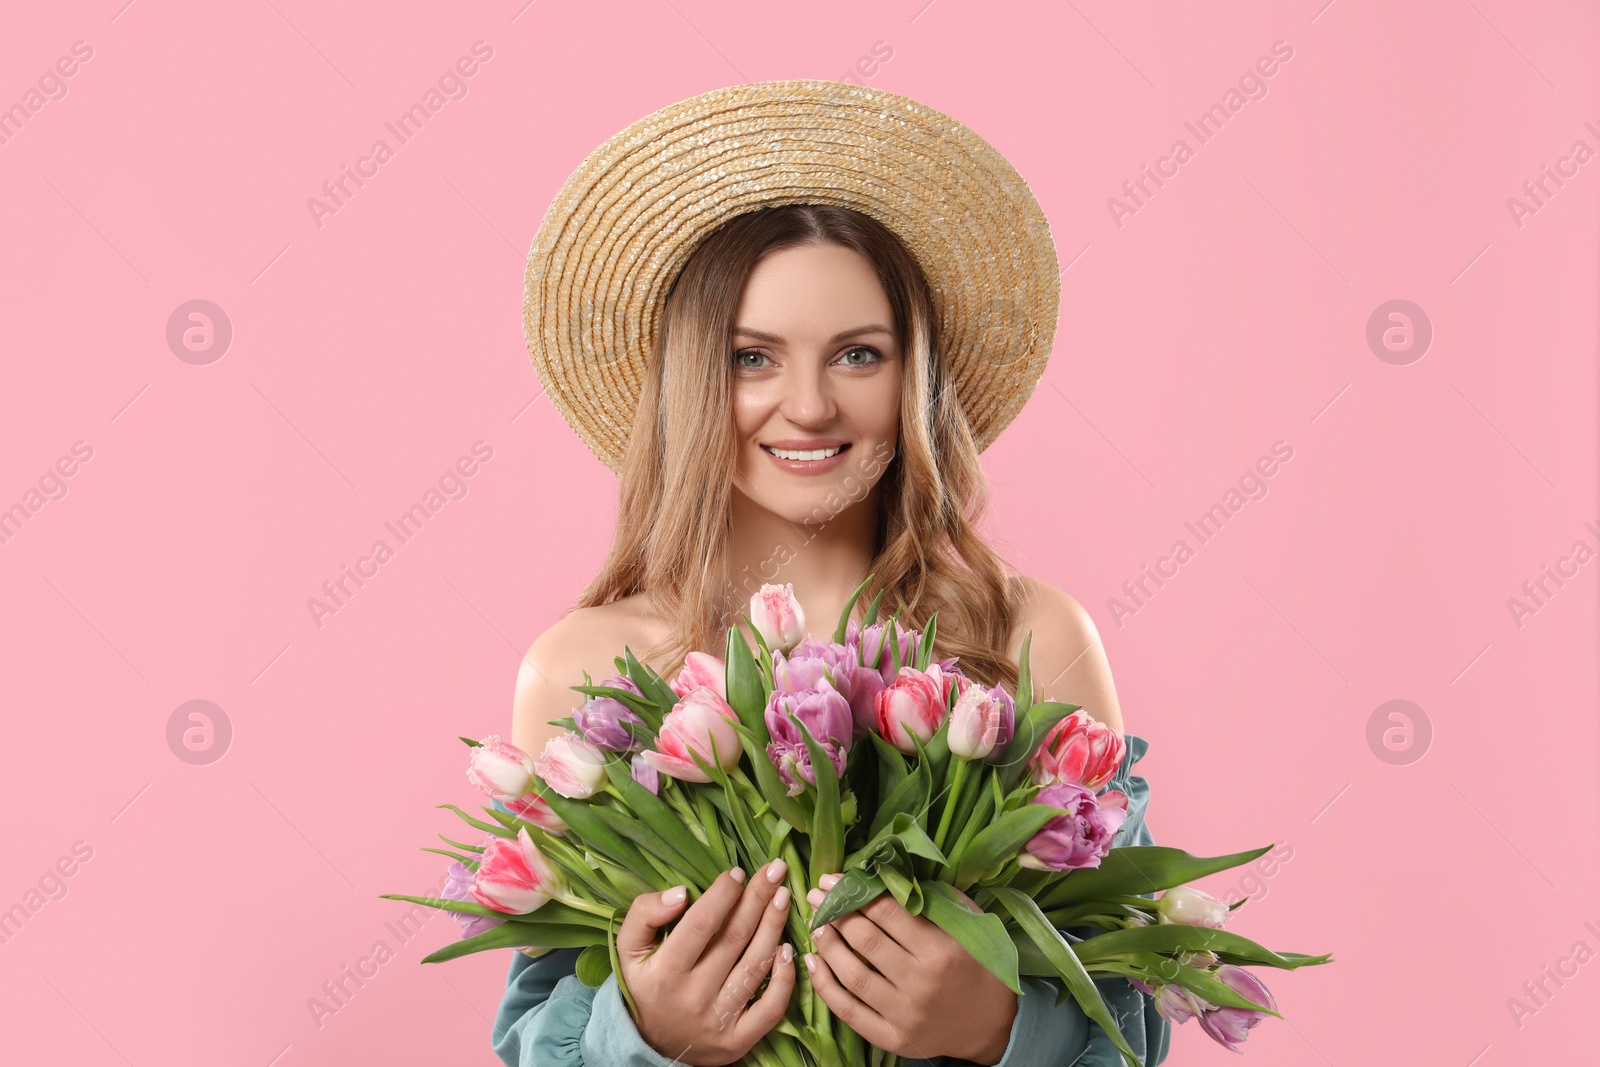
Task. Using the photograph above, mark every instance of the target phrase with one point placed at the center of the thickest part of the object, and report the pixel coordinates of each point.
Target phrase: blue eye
(877, 357)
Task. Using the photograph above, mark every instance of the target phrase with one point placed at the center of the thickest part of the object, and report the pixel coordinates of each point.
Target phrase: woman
(810, 410)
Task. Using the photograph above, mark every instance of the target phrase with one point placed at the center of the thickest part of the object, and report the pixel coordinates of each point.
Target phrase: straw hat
(626, 221)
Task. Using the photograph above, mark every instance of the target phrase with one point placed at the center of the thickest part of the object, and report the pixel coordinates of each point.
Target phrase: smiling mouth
(811, 455)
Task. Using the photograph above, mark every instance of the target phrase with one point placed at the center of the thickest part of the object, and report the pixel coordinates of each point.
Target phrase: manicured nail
(776, 870)
(738, 874)
(815, 897)
(828, 881)
(786, 953)
(811, 962)
(780, 899)
(674, 895)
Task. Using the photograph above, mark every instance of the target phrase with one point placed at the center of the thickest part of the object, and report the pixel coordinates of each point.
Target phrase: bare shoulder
(1065, 655)
(584, 639)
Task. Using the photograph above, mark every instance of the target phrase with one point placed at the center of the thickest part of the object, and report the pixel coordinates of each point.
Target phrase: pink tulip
(537, 811)
(500, 769)
(514, 877)
(979, 719)
(777, 616)
(701, 668)
(1082, 835)
(572, 766)
(1080, 750)
(694, 723)
(1191, 907)
(912, 706)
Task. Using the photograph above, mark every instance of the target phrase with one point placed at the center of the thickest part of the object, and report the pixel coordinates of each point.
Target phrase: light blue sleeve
(1047, 1034)
(548, 1018)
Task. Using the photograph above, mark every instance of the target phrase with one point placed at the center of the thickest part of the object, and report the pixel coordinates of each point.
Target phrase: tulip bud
(701, 668)
(572, 766)
(458, 886)
(1082, 835)
(977, 720)
(912, 706)
(533, 808)
(1230, 1026)
(1191, 907)
(500, 769)
(1078, 749)
(697, 721)
(777, 616)
(514, 877)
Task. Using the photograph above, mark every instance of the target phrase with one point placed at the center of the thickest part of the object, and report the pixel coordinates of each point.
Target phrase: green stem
(957, 781)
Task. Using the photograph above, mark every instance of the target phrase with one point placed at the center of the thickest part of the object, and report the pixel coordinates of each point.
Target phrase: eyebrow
(745, 331)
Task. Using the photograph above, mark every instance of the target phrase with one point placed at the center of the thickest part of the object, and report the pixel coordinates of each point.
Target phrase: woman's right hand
(693, 991)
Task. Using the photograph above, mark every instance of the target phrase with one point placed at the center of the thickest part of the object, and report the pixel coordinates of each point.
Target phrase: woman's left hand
(908, 987)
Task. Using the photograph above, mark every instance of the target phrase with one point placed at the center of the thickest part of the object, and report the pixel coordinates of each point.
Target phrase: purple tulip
(826, 714)
(873, 645)
(600, 721)
(1081, 836)
(859, 685)
(1230, 1026)
(646, 775)
(458, 886)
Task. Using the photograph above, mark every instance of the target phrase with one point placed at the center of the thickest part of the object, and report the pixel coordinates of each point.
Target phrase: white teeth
(821, 453)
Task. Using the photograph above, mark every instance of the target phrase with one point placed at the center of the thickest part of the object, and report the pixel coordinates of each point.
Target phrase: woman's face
(817, 370)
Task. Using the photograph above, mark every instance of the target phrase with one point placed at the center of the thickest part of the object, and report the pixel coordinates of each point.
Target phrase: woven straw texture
(622, 226)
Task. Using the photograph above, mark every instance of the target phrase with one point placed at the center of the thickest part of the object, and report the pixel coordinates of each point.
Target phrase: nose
(808, 397)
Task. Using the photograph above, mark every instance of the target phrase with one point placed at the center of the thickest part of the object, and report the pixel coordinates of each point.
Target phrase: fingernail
(738, 874)
(811, 962)
(786, 953)
(815, 897)
(828, 881)
(780, 899)
(776, 870)
(674, 896)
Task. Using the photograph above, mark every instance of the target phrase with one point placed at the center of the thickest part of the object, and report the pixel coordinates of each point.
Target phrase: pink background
(368, 354)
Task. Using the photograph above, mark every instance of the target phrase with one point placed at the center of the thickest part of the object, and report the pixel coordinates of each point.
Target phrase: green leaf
(1137, 869)
(1024, 693)
(516, 934)
(871, 616)
(857, 889)
(650, 683)
(827, 826)
(640, 706)
(925, 646)
(486, 827)
(771, 786)
(686, 850)
(474, 744)
(1071, 972)
(594, 965)
(593, 833)
(1173, 938)
(746, 694)
(910, 796)
(467, 861)
(466, 907)
(844, 616)
(460, 844)
(980, 933)
(1000, 841)
(1194, 979)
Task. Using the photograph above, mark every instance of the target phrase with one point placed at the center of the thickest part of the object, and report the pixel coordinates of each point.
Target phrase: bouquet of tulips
(865, 756)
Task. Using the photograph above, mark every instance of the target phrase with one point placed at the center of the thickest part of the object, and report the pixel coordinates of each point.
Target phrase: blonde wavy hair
(674, 518)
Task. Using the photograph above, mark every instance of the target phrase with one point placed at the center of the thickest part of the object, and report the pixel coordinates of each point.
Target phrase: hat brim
(622, 226)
